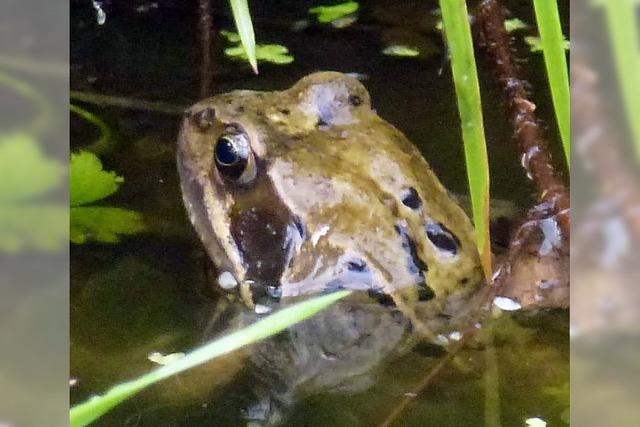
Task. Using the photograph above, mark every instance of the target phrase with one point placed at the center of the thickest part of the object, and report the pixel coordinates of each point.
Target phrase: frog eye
(234, 158)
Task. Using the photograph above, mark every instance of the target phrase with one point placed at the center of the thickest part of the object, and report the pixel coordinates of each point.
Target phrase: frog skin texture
(306, 191)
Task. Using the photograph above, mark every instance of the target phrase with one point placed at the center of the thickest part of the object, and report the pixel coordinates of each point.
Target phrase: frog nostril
(442, 238)
(411, 198)
(354, 100)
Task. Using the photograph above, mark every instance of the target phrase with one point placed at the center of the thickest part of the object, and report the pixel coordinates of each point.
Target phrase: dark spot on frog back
(442, 238)
(411, 199)
(414, 263)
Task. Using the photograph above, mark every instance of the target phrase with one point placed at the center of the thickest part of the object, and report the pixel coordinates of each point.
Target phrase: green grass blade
(553, 47)
(90, 410)
(463, 66)
(242, 17)
(623, 37)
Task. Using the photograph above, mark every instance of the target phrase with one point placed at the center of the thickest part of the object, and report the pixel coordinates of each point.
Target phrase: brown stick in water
(533, 146)
(206, 67)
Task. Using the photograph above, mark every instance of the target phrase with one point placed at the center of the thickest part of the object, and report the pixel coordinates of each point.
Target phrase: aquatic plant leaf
(242, 18)
(622, 37)
(88, 182)
(553, 47)
(25, 172)
(230, 36)
(535, 44)
(101, 144)
(401, 50)
(93, 408)
(344, 22)
(326, 14)
(25, 222)
(103, 224)
(465, 77)
(515, 24)
(273, 53)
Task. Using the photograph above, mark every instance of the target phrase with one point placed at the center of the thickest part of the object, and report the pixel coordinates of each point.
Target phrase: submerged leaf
(326, 14)
(103, 224)
(88, 182)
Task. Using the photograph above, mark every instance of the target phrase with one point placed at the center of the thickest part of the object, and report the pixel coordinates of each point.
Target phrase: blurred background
(605, 297)
(34, 212)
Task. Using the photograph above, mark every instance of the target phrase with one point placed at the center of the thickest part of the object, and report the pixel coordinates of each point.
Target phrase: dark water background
(145, 294)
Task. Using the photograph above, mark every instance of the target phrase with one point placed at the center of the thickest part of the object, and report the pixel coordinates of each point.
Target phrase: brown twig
(206, 67)
(484, 297)
(536, 158)
(402, 405)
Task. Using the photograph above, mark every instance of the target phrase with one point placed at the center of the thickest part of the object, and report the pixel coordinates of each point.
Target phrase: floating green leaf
(401, 50)
(103, 224)
(274, 53)
(26, 175)
(87, 412)
(230, 36)
(88, 182)
(242, 17)
(535, 44)
(515, 24)
(553, 47)
(326, 14)
(465, 77)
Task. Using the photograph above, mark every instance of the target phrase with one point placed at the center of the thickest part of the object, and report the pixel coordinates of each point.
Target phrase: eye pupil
(233, 157)
(226, 153)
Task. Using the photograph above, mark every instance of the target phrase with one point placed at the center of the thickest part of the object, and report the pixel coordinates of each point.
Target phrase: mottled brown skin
(332, 197)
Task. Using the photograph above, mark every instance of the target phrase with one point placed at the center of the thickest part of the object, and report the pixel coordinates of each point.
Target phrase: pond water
(150, 293)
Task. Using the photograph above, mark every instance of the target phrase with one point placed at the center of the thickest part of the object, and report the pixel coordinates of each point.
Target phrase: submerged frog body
(307, 191)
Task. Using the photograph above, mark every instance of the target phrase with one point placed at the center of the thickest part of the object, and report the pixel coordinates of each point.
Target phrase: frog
(306, 191)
